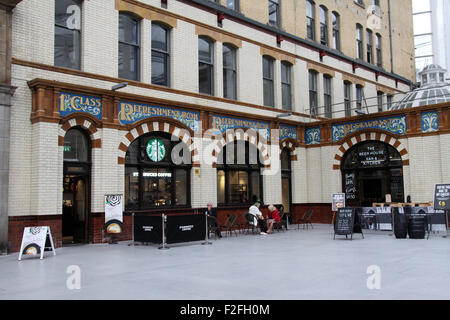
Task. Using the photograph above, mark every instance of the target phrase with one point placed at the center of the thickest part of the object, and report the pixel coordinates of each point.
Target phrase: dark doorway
(76, 187)
(370, 171)
(286, 183)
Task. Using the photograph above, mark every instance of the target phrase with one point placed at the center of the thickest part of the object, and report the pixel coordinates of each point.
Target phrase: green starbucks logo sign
(156, 150)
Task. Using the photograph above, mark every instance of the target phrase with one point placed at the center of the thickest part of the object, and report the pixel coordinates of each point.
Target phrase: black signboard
(442, 197)
(350, 186)
(372, 154)
(347, 222)
(148, 229)
(186, 228)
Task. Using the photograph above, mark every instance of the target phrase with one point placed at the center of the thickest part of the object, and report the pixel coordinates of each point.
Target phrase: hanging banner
(34, 241)
(114, 213)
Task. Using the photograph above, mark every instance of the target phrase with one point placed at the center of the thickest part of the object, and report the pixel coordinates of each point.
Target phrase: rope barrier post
(163, 246)
(132, 230)
(207, 231)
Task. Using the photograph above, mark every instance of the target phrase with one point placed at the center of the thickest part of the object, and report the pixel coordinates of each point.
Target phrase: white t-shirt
(255, 212)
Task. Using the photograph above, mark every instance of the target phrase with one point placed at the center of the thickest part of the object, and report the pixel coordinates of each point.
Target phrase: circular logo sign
(156, 150)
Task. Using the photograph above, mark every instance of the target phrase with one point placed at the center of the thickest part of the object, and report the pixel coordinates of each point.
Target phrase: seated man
(211, 212)
(258, 217)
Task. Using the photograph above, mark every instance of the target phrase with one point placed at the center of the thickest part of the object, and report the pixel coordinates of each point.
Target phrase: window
(336, 31)
(347, 98)
(359, 42)
(380, 101)
(327, 95)
(286, 85)
(160, 55)
(389, 101)
(268, 81)
(323, 25)
(77, 152)
(313, 104)
(310, 20)
(229, 72)
(128, 47)
(376, 2)
(239, 180)
(274, 12)
(369, 46)
(151, 178)
(441, 77)
(379, 52)
(424, 79)
(359, 96)
(206, 65)
(233, 4)
(68, 34)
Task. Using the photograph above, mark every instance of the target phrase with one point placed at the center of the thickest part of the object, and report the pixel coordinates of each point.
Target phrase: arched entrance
(370, 170)
(286, 181)
(76, 186)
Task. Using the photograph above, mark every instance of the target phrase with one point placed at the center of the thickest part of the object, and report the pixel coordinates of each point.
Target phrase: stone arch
(371, 135)
(290, 144)
(87, 122)
(241, 134)
(162, 125)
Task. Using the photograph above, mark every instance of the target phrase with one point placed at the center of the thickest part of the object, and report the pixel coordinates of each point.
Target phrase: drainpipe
(390, 35)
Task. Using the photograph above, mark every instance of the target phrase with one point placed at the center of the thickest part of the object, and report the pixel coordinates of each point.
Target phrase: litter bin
(416, 227)
(400, 224)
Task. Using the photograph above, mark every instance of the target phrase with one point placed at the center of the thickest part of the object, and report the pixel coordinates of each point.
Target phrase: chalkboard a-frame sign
(347, 223)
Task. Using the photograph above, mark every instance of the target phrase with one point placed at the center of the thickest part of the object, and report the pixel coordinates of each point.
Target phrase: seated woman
(272, 217)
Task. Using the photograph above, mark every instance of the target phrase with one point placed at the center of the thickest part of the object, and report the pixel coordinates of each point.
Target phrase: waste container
(416, 227)
(400, 224)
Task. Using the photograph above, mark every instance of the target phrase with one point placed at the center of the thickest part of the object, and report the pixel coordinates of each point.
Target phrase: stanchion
(207, 231)
(446, 225)
(132, 230)
(163, 246)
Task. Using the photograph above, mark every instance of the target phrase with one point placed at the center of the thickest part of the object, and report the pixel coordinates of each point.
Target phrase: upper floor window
(274, 12)
(379, 52)
(336, 30)
(206, 65)
(327, 95)
(268, 76)
(359, 96)
(310, 20)
(369, 46)
(323, 25)
(313, 102)
(160, 55)
(347, 98)
(376, 2)
(359, 42)
(380, 101)
(68, 34)
(233, 4)
(129, 47)
(229, 72)
(389, 99)
(286, 94)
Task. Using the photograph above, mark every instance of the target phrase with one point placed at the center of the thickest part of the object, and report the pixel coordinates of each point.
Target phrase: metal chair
(213, 226)
(280, 224)
(306, 220)
(230, 224)
(250, 220)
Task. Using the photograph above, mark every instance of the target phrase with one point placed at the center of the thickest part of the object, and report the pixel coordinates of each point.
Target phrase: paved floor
(304, 264)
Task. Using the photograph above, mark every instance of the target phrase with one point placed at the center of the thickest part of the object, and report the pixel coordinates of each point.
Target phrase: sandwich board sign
(114, 213)
(347, 223)
(34, 242)
(442, 197)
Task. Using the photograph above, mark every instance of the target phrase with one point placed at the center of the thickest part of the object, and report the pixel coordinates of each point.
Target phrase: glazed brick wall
(17, 224)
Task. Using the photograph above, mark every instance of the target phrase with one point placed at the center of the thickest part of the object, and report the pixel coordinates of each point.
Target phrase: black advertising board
(344, 221)
(442, 197)
(186, 228)
(148, 229)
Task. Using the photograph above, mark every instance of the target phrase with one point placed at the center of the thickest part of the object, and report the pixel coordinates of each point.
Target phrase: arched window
(359, 42)
(68, 33)
(310, 20)
(76, 146)
(313, 102)
(379, 52)
(268, 84)
(327, 95)
(369, 46)
(160, 55)
(324, 25)
(153, 178)
(286, 88)
(206, 65)
(336, 30)
(129, 47)
(274, 12)
(229, 72)
(239, 179)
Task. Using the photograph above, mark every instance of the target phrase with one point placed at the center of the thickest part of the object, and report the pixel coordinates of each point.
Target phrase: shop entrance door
(75, 205)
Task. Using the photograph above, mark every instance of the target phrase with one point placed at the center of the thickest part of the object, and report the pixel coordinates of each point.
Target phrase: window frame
(359, 42)
(277, 4)
(137, 46)
(336, 25)
(311, 28)
(271, 80)
(209, 64)
(328, 95)
(379, 49)
(232, 49)
(369, 47)
(166, 53)
(348, 98)
(313, 92)
(288, 84)
(324, 27)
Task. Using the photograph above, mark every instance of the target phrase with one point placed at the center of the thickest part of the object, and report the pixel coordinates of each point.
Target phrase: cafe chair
(249, 223)
(305, 220)
(230, 224)
(212, 227)
(281, 224)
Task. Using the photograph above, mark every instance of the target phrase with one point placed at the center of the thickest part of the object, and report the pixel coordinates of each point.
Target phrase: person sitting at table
(258, 218)
(212, 219)
(272, 217)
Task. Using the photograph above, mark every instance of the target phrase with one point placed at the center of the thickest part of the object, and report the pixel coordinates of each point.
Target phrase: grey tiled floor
(298, 264)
